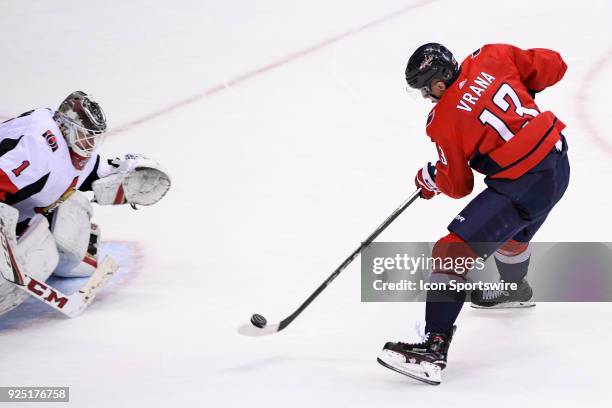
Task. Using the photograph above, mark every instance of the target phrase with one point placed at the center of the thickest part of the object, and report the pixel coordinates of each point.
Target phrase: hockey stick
(70, 305)
(258, 324)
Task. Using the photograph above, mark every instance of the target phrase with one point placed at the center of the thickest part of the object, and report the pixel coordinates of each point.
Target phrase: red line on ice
(581, 98)
(215, 89)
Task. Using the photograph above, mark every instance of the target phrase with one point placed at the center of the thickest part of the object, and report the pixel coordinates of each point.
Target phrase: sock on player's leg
(443, 306)
(512, 260)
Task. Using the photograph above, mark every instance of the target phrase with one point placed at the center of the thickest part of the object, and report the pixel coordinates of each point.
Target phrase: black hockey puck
(258, 321)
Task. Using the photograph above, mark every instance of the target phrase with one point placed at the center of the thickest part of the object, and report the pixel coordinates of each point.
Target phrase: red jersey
(488, 121)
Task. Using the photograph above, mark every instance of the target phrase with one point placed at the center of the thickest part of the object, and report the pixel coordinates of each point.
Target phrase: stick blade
(84, 296)
(247, 329)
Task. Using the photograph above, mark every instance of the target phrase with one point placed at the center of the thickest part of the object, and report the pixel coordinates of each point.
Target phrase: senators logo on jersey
(51, 140)
(50, 208)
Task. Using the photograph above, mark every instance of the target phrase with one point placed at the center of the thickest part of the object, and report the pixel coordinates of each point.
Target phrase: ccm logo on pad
(41, 289)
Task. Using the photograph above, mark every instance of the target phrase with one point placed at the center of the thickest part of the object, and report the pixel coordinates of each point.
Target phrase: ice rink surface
(289, 137)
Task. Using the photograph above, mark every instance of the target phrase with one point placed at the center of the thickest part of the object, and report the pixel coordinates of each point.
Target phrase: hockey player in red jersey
(48, 158)
(485, 119)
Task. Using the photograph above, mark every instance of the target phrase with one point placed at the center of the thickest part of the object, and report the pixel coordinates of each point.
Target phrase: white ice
(281, 164)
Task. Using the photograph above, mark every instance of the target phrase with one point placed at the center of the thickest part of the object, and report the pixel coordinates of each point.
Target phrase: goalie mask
(82, 123)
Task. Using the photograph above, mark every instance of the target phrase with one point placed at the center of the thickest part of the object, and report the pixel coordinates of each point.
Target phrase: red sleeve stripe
(6, 186)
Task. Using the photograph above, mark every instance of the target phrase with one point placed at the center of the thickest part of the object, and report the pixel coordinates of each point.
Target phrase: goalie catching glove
(135, 179)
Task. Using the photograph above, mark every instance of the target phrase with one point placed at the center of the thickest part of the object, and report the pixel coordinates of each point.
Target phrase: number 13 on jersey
(489, 118)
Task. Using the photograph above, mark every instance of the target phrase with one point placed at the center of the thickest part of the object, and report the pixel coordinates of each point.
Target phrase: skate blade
(507, 305)
(426, 372)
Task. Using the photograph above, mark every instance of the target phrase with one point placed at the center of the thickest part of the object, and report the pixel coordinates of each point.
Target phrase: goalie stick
(257, 325)
(70, 305)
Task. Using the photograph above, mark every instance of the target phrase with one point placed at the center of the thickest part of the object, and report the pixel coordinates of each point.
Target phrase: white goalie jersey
(36, 171)
(40, 176)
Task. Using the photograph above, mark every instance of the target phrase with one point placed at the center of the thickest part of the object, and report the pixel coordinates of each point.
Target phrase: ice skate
(423, 361)
(522, 297)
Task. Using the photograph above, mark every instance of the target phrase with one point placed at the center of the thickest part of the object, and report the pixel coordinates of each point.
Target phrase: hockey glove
(426, 181)
(135, 179)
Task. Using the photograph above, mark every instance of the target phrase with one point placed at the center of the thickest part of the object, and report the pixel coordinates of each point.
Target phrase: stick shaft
(284, 323)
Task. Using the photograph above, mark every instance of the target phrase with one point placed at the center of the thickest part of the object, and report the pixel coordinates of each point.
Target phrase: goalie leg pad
(71, 228)
(38, 256)
(89, 263)
(36, 249)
